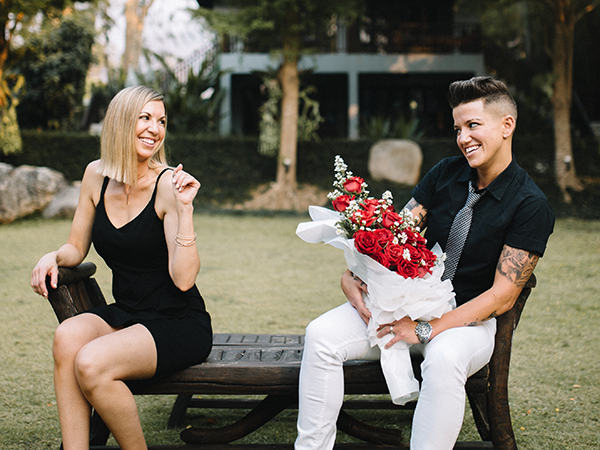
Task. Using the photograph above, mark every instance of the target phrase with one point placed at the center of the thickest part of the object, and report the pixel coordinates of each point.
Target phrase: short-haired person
(138, 213)
(510, 227)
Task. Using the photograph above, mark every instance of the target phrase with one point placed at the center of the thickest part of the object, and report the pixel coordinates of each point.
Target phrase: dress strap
(103, 191)
(156, 184)
(160, 175)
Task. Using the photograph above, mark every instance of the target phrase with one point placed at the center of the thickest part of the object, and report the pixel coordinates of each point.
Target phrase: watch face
(423, 332)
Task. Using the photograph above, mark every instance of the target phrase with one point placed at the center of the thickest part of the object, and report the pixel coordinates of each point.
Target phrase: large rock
(64, 203)
(396, 160)
(26, 189)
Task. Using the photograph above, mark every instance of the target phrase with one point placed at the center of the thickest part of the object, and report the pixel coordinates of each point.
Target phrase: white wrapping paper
(390, 298)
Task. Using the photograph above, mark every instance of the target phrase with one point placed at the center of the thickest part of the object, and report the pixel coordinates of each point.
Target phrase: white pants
(340, 335)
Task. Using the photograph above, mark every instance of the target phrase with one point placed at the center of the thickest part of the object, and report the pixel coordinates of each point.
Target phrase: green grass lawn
(258, 277)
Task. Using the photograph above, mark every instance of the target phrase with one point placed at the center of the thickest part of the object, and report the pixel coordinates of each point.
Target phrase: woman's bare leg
(102, 365)
(73, 408)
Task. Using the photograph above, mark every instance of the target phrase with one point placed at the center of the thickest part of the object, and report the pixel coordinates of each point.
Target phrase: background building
(393, 65)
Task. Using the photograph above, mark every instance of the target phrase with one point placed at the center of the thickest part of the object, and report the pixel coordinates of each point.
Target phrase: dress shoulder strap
(157, 180)
(104, 186)
(160, 175)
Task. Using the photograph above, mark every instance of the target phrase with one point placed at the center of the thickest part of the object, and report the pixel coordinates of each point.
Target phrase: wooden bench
(268, 365)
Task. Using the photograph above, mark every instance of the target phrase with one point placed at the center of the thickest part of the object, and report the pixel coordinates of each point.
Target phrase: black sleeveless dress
(144, 292)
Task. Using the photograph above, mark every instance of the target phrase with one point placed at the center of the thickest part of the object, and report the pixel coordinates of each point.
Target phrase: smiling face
(484, 134)
(150, 129)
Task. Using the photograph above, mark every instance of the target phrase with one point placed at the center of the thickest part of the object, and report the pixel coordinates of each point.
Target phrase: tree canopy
(55, 62)
(16, 15)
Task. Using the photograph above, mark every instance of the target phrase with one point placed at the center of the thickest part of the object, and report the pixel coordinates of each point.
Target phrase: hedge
(229, 168)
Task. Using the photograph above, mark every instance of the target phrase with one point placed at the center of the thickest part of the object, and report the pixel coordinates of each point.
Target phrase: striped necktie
(458, 233)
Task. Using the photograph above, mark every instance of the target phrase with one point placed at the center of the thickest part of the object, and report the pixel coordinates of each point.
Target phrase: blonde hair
(118, 159)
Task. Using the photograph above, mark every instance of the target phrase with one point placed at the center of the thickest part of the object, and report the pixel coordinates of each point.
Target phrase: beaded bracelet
(185, 241)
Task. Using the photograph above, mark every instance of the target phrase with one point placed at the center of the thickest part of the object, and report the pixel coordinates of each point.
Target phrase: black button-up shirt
(513, 212)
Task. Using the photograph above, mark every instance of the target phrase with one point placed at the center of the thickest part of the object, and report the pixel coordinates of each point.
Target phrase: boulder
(26, 189)
(64, 203)
(396, 160)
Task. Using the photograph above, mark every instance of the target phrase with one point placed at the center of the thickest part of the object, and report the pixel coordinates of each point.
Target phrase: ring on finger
(391, 329)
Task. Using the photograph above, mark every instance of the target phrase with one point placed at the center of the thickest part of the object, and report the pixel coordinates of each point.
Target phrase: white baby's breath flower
(406, 254)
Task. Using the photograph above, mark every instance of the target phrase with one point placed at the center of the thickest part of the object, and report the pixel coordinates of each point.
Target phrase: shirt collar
(499, 186)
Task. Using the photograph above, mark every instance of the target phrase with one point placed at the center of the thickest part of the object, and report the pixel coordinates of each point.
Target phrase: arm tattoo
(517, 265)
(355, 278)
(420, 218)
(362, 283)
(479, 322)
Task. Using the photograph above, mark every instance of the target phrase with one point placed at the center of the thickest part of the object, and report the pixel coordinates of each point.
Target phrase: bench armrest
(76, 291)
(69, 275)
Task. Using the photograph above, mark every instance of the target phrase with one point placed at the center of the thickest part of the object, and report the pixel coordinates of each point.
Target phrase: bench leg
(501, 431)
(368, 433)
(265, 411)
(178, 412)
(98, 430)
(478, 402)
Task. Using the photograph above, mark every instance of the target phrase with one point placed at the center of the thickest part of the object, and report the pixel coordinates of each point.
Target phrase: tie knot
(473, 196)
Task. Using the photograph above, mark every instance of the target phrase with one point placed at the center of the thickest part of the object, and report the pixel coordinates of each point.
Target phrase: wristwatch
(423, 332)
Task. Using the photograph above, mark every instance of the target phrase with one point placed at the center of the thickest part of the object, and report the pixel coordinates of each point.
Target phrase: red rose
(429, 257)
(407, 269)
(366, 214)
(363, 218)
(394, 253)
(420, 240)
(353, 185)
(341, 203)
(384, 236)
(389, 217)
(381, 258)
(366, 242)
(412, 237)
(415, 253)
(369, 204)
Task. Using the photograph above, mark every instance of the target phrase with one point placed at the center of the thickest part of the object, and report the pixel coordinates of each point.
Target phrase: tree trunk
(290, 86)
(564, 37)
(7, 33)
(135, 14)
(285, 194)
(10, 86)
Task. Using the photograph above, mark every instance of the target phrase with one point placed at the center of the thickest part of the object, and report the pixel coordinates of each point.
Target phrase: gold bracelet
(185, 241)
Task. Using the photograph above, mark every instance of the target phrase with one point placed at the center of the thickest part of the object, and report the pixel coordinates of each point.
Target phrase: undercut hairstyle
(118, 156)
(487, 89)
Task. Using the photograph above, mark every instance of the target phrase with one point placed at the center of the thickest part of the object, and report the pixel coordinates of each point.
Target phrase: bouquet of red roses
(385, 249)
(390, 238)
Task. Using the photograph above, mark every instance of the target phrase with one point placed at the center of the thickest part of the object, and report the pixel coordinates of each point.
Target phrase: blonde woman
(139, 214)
